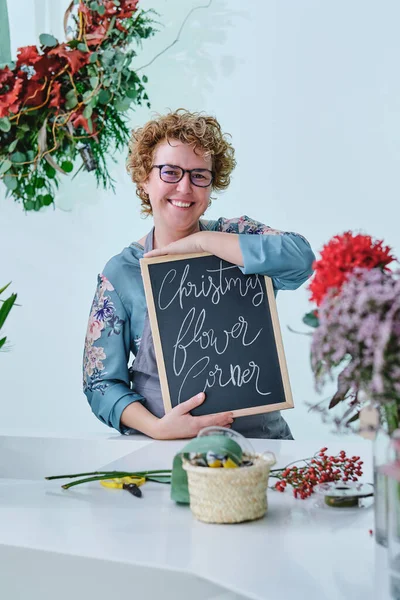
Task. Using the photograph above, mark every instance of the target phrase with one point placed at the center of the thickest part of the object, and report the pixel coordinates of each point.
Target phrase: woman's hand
(223, 245)
(187, 245)
(179, 423)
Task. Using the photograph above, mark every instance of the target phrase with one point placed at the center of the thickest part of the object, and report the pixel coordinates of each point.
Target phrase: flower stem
(120, 474)
(110, 474)
(291, 463)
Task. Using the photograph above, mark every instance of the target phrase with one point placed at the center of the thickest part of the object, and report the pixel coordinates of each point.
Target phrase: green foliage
(38, 145)
(48, 40)
(5, 308)
(311, 319)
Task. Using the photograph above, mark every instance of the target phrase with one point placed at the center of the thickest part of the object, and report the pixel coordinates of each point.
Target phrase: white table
(94, 542)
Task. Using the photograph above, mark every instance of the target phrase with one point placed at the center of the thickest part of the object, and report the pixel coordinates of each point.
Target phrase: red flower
(75, 58)
(47, 66)
(10, 86)
(77, 119)
(34, 93)
(43, 65)
(27, 55)
(36, 72)
(340, 256)
(96, 35)
(96, 25)
(126, 9)
(55, 95)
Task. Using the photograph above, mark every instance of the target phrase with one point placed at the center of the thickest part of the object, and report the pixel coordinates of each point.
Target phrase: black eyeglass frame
(190, 171)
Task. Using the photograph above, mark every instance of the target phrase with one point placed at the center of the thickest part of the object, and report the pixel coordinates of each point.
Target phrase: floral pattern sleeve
(247, 225)
(285, 256)
(106, 354)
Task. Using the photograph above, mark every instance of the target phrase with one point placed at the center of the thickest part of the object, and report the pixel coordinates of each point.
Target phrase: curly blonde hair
(203, 132)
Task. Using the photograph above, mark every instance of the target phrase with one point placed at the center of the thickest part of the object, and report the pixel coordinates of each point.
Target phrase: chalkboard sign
(216, 331)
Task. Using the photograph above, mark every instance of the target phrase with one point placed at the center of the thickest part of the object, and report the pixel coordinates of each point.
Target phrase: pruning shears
(130, 484)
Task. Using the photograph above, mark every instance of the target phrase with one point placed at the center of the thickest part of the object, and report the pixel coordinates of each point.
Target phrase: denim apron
(146, 382)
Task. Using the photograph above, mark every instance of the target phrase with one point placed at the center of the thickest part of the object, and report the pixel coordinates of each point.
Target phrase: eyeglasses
(173, 174)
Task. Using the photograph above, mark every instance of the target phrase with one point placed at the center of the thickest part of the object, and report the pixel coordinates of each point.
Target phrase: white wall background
(310, 92)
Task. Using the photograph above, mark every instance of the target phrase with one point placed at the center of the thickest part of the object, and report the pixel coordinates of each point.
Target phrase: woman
(176, 161)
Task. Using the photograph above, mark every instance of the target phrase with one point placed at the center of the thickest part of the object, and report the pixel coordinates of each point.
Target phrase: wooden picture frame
(146, 266)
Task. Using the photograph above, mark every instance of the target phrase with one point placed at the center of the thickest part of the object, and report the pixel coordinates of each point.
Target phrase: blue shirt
(118, 311)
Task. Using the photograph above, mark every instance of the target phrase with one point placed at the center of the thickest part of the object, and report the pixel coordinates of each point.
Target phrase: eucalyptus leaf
(94, 82)
(82, 47)
(39, 182)
(145, 79)
(10, 182)
(71, 103)
(108, 54)
(119, 58)
(18, 157)
(5, 165)
(104, 96)
(13, 145)
(123, 105)
(70, 94)
(87, 96)
(90, 124)
(131, 93)
(5, 124)
(87, 113)
(93, 57)
(94, 6)
(29, 205)
(101, 10)
(111, 26)
(48, 40)
(30, 155)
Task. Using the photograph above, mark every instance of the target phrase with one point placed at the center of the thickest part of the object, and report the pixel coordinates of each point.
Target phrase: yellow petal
(229, 464)
(118, 482)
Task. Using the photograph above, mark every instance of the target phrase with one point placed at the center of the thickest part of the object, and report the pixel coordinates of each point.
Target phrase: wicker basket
(229, 495)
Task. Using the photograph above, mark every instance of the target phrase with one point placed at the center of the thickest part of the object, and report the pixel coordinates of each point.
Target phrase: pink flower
(106, 285)
(94, 330)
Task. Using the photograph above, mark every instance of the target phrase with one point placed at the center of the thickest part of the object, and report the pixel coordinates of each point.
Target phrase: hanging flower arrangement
(67, 102)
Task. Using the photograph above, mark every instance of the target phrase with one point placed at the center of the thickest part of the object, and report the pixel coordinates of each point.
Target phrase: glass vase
(380, 452)
(393, 482)
(388, 422)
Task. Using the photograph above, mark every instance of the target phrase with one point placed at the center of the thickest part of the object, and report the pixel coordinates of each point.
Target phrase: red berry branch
(321, 468)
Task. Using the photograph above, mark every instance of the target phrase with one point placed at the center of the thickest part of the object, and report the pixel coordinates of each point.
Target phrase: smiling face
(177, 207)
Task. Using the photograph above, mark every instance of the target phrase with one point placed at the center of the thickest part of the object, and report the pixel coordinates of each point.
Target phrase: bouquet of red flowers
(339, 257)
(357, 324)
(68, 100)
